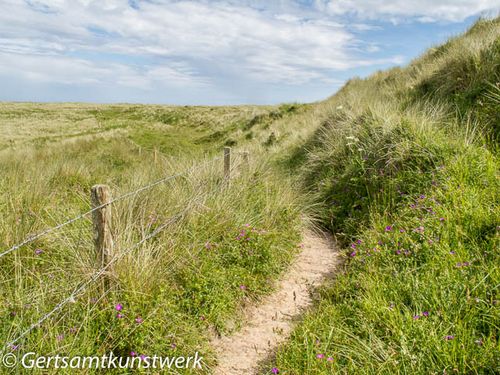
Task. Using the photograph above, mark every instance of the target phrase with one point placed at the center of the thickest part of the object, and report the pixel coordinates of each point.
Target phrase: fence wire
(77, 291)
(121, 197)
(80, 289)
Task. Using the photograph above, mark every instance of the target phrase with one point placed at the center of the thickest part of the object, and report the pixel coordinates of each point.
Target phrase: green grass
(405, 172)
(188, 283)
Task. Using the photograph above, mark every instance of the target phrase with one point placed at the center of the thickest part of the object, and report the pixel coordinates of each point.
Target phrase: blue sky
(213, 52)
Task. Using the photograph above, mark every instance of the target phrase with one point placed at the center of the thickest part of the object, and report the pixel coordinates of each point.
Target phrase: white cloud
(200, 43)
(75, 71)
(278, 45)
(421, 10)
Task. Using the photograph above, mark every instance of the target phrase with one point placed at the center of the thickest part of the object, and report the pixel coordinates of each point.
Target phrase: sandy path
(270, 322)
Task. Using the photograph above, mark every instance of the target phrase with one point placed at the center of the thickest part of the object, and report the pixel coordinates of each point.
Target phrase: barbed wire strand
(121, 197)
(80, 289)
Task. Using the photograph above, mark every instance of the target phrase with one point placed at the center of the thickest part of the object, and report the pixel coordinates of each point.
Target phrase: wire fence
(92, 210)
(229, 166)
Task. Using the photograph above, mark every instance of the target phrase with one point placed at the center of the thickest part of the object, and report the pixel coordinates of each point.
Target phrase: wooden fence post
(155, 154)
(227, 163)
(246, 158)
(101, 217)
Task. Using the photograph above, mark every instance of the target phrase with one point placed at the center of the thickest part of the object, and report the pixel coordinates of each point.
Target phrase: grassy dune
(405, 171)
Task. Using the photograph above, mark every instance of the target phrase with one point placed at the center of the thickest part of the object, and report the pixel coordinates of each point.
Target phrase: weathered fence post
(246, 159)
(103, 240)
(155, 154)
(227, 163)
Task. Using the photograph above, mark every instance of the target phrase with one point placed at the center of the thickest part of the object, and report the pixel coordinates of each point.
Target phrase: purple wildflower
(416, 317)
(449, 337)
(243, 287)
(401, 231)
(14, 347)
(359, 242)
(320, 356)
(452, 252)
(139, 320)
(425, 313)
(441, 219)
(388, 228)
(60, 337)
(275, 370)
(142, 357)
(119, 307)
(120, 316)
(133, 354)
(329, 359)
(353, 254)
(38, 251)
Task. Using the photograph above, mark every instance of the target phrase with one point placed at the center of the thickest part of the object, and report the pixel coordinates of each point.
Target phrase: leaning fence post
(227, 163)
(103, 240)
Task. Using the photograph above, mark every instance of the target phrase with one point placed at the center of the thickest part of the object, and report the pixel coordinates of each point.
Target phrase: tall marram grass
(178, 289)
(405, 171)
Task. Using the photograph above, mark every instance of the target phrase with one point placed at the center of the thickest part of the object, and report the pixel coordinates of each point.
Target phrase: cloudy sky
(212, 52)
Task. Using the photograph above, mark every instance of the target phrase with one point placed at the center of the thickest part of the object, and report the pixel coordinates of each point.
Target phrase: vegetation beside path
(405, 171)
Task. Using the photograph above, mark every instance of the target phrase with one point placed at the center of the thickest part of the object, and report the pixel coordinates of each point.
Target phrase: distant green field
(173, 130)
